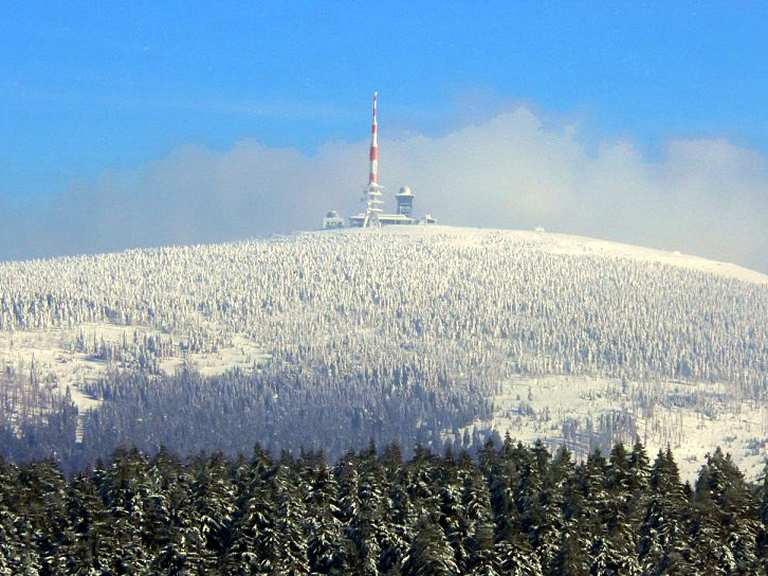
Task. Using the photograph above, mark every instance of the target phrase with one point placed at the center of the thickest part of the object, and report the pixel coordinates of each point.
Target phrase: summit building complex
(373, 215)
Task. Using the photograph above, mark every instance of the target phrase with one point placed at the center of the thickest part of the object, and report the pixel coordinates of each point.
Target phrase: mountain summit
(426, 334)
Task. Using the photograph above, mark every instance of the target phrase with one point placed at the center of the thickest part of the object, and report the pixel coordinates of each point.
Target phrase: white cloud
(707, 197)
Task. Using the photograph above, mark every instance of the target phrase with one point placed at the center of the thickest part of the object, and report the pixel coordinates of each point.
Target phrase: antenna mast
(373, 191)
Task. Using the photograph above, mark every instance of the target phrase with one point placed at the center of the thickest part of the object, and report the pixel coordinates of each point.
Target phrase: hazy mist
(707, 197)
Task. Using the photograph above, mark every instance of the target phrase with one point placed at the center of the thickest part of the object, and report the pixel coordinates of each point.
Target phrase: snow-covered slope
(568, 244)
(478, 310)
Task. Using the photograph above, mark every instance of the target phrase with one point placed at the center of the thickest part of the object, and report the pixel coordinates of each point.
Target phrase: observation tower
(404, 200)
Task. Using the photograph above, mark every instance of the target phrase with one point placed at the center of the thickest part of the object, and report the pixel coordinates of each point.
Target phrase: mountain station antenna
(373, 191)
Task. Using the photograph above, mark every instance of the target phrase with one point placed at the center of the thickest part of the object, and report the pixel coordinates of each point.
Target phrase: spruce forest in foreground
(508, 509)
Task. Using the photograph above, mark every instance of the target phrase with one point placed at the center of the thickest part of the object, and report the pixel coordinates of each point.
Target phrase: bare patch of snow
(583, 413)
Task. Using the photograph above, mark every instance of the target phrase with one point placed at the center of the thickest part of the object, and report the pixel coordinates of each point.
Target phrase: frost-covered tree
(348, 342)
(139, 515)
(430, 553)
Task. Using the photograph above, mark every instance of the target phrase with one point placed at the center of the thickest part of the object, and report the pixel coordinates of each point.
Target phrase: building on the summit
(374, 214)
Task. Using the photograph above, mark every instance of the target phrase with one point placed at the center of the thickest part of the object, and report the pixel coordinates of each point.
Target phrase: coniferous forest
(506, 509)
(305, 349)
(400, 335)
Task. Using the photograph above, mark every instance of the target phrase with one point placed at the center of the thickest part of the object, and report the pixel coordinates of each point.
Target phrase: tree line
(276, 406)
(506, 509)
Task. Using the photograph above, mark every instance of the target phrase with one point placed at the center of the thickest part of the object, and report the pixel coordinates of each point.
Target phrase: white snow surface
(591, 327)
(568, 244)
(690, 417)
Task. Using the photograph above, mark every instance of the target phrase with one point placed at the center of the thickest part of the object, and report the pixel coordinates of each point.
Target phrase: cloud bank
(707, 197)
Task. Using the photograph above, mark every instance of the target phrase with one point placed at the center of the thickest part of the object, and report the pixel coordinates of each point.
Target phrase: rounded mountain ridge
(412, 334)
(574, 245)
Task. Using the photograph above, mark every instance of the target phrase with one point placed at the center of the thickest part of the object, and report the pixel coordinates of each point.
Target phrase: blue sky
(91, 86)
(89, 89)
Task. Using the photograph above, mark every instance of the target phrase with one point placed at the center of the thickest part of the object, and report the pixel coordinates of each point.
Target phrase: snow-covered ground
(569, 244)
(624, 339)
(51, 353)
(55, 357)
(583, 413)
(240, 353)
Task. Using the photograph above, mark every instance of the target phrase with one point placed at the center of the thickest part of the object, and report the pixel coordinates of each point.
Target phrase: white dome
(405, 191)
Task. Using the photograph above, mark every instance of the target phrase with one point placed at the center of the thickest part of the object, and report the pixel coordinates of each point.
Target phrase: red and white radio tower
(373, 191)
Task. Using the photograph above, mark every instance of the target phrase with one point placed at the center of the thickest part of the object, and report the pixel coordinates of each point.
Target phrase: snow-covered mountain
(404, 333)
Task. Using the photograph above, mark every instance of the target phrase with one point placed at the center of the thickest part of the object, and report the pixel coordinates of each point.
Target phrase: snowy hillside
(447, 330)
